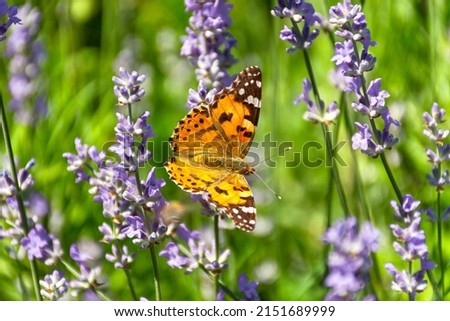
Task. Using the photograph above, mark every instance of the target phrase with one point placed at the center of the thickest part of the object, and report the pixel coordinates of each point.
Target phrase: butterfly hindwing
(234, 197)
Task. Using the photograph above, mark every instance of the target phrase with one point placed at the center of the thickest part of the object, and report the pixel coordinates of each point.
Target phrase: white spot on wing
(249, 210)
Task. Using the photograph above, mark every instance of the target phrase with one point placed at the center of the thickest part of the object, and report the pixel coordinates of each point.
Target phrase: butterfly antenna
(268, 187)
(266, 159)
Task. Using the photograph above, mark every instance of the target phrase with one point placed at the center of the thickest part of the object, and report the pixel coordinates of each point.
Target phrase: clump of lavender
(32, 238)
(132, 206)
(411, 246)
(349, 262)
(353, 60)
(10, 15)
(26, 55)
(208, 44)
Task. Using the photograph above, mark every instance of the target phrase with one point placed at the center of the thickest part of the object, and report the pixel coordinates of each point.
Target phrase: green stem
(435, 285)
(130, 284)
(411, 296)
(135, 162)
(389, 173)
(439, 236)
(217, 252)
(155, 274)
(23, 215)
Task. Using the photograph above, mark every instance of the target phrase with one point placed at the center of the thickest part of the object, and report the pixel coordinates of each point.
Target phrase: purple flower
(349, 262)
(77, 256)
(201, 96)
(351, 23)
(177, 260)
(12, 18)
(198, 253)
(314, 114)
(408, 210)
(8, 189)
(298, 11)
(134, 228)
(363, 140)
(54, 286)
(127, 87)
(131, 140)
(436, 117)
(405, 282)
(41, 245)
(78, 162)
(248, 288)
(121, 258)
(26, 55)
(208, 44)
(411, 246)
(375, 106)
(88, 278)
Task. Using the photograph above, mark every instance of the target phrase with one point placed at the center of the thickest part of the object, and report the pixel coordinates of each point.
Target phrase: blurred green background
(83, 40)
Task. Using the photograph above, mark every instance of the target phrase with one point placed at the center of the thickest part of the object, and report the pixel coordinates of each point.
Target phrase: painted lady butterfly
(210, 144)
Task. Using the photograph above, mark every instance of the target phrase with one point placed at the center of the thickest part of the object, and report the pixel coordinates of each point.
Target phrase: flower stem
(155, 274)
(130, 284)
(439, 236)
(134, 160)
(411, 295)
(23, 215)
(217, 252)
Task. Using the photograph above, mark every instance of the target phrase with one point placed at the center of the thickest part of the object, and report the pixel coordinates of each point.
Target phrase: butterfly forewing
(236, 110)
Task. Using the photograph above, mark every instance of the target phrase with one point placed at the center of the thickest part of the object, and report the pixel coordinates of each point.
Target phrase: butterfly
(210, 145)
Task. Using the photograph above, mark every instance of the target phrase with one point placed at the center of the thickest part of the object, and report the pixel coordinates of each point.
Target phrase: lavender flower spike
(208, 44)
(349, 262)
(411, 246)
(26, 53)
(12, 18)
(54, 286)
(127, 87)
